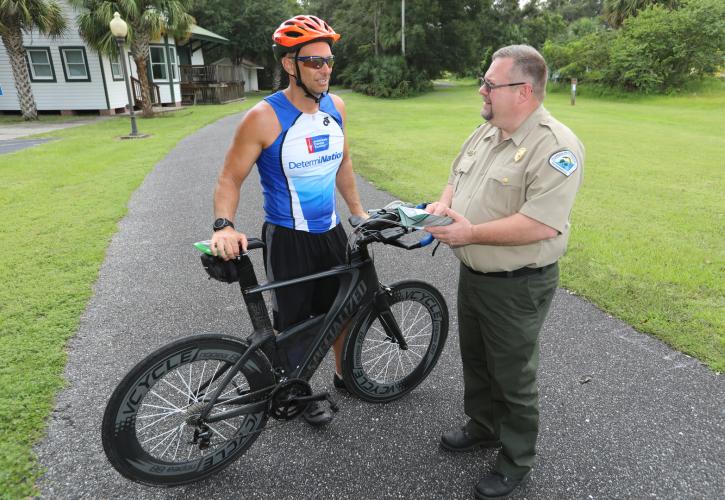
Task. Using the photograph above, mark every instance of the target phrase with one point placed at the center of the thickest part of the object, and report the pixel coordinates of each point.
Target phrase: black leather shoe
(461, 440)
(495, 485)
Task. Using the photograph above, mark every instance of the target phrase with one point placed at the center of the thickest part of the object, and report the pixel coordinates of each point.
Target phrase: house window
(158, 64)
(174, 61)
(75, 64)
(116, 70)
(40, 64)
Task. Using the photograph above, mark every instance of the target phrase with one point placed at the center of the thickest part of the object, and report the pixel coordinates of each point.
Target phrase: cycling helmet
(301, 30)
(295, 33)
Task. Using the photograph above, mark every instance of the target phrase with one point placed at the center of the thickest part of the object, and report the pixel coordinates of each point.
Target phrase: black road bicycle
(194, 406)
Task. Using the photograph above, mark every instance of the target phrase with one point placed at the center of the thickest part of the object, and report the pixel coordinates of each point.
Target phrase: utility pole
(402, 25)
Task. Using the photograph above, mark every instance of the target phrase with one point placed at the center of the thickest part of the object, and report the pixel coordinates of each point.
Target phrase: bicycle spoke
(161, 436)
(165, 400)
(186, 394)
(178, 441)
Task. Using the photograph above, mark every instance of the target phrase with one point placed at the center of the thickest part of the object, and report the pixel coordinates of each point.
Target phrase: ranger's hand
(436, 208)
(457, 234)
(227, 242)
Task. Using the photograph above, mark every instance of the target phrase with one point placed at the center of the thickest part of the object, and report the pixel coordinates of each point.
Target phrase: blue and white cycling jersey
(298, 170)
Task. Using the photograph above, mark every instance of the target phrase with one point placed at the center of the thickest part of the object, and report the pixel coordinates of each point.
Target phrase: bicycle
(193, 407)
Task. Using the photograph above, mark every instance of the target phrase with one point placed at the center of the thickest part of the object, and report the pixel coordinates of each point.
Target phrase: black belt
(512, 274)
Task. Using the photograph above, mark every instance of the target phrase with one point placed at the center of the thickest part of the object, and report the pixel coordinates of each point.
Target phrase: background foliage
(634, 45)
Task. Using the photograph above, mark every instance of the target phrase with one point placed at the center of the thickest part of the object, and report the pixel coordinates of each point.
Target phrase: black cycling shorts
(290, 254)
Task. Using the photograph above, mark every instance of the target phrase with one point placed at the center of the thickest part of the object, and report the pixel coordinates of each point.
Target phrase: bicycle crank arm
(322, 396)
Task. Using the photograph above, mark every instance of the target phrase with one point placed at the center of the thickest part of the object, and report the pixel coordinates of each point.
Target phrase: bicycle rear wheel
(148, 429)
(375, 368)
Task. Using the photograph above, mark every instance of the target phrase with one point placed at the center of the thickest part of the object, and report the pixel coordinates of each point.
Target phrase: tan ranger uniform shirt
(537, 172)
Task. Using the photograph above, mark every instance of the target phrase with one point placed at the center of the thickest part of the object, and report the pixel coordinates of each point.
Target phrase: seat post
(263, 334)
(254, 301)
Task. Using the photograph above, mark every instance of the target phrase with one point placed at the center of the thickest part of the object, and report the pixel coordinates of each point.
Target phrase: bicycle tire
(422, 314)
(161, 392)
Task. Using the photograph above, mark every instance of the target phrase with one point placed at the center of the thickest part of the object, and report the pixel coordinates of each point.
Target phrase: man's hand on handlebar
(227, 243)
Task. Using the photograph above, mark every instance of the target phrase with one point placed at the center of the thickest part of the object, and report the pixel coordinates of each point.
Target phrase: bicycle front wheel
(150, 429)
(375, 367)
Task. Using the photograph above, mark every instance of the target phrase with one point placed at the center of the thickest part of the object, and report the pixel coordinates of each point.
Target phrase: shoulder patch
(564, 161)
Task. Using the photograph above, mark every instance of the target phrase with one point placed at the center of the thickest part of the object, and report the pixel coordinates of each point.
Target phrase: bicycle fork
(382, 309)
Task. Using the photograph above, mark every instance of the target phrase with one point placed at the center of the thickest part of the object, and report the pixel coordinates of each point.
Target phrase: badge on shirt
(564, 161)
(519, 154)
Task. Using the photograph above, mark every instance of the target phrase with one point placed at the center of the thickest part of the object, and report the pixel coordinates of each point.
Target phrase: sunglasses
(316, 62)
(491, 86)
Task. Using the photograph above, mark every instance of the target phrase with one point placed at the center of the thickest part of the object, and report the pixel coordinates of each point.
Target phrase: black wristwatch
(221, 223)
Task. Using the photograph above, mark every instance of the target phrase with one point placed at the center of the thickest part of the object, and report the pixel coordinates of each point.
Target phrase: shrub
(661, 50)
(385, 76)
(585, 58)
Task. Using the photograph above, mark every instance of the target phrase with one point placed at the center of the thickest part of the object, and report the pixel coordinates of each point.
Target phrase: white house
(66, 75)
(248, 71)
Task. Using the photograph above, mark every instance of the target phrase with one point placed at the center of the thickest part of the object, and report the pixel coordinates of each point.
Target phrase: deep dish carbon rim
(151, 432)
(375, 368)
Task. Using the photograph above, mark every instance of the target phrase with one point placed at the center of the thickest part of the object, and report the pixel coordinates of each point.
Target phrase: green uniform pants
(499, 320)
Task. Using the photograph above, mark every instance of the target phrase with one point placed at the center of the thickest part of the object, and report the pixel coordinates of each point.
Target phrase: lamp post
(119, 30)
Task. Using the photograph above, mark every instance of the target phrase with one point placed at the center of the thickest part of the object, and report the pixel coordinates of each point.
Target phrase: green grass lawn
(61, 202)
(647, 243)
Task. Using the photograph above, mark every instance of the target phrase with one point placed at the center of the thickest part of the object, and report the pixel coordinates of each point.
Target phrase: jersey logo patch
(318, 143)
(564, 161)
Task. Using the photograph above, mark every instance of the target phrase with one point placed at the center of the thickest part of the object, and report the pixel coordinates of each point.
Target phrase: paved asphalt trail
(650, 422)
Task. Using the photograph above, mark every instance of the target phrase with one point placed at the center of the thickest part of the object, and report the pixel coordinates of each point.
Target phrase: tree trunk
(13, 40)
(140, 53)
(376, 27)
(276, 77)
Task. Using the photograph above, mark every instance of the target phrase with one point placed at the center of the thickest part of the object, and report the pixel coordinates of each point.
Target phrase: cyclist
(296, 138)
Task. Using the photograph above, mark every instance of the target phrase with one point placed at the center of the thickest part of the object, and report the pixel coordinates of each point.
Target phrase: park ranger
(510, 192)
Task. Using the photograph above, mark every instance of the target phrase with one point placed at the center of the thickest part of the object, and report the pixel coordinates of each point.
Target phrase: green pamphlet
(420, 219)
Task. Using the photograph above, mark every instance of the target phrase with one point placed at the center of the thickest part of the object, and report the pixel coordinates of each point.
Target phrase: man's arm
(345, 179)
(250, 138)
(516, 229)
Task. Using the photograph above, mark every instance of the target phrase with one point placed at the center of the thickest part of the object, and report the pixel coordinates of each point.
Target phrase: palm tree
(146, 19)
(616, 11)
(17, 16)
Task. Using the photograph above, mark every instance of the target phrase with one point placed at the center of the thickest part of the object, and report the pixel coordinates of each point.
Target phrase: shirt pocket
(503, 190)
(461, 172)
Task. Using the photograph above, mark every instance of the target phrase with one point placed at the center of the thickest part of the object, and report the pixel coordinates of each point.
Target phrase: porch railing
(211, 93)
(217, 73)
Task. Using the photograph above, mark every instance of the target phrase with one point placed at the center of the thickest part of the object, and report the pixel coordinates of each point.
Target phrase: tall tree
(571, 10)
(248, 24)
(16, 17)
(146, 19)
(616, 11)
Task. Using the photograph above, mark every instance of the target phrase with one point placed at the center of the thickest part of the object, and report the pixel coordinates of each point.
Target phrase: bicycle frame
(358, 286)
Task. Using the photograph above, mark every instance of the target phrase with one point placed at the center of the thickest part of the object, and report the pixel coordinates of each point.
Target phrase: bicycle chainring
(282, 402)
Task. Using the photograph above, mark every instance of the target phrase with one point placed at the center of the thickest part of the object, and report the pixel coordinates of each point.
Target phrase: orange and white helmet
(301, 30)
